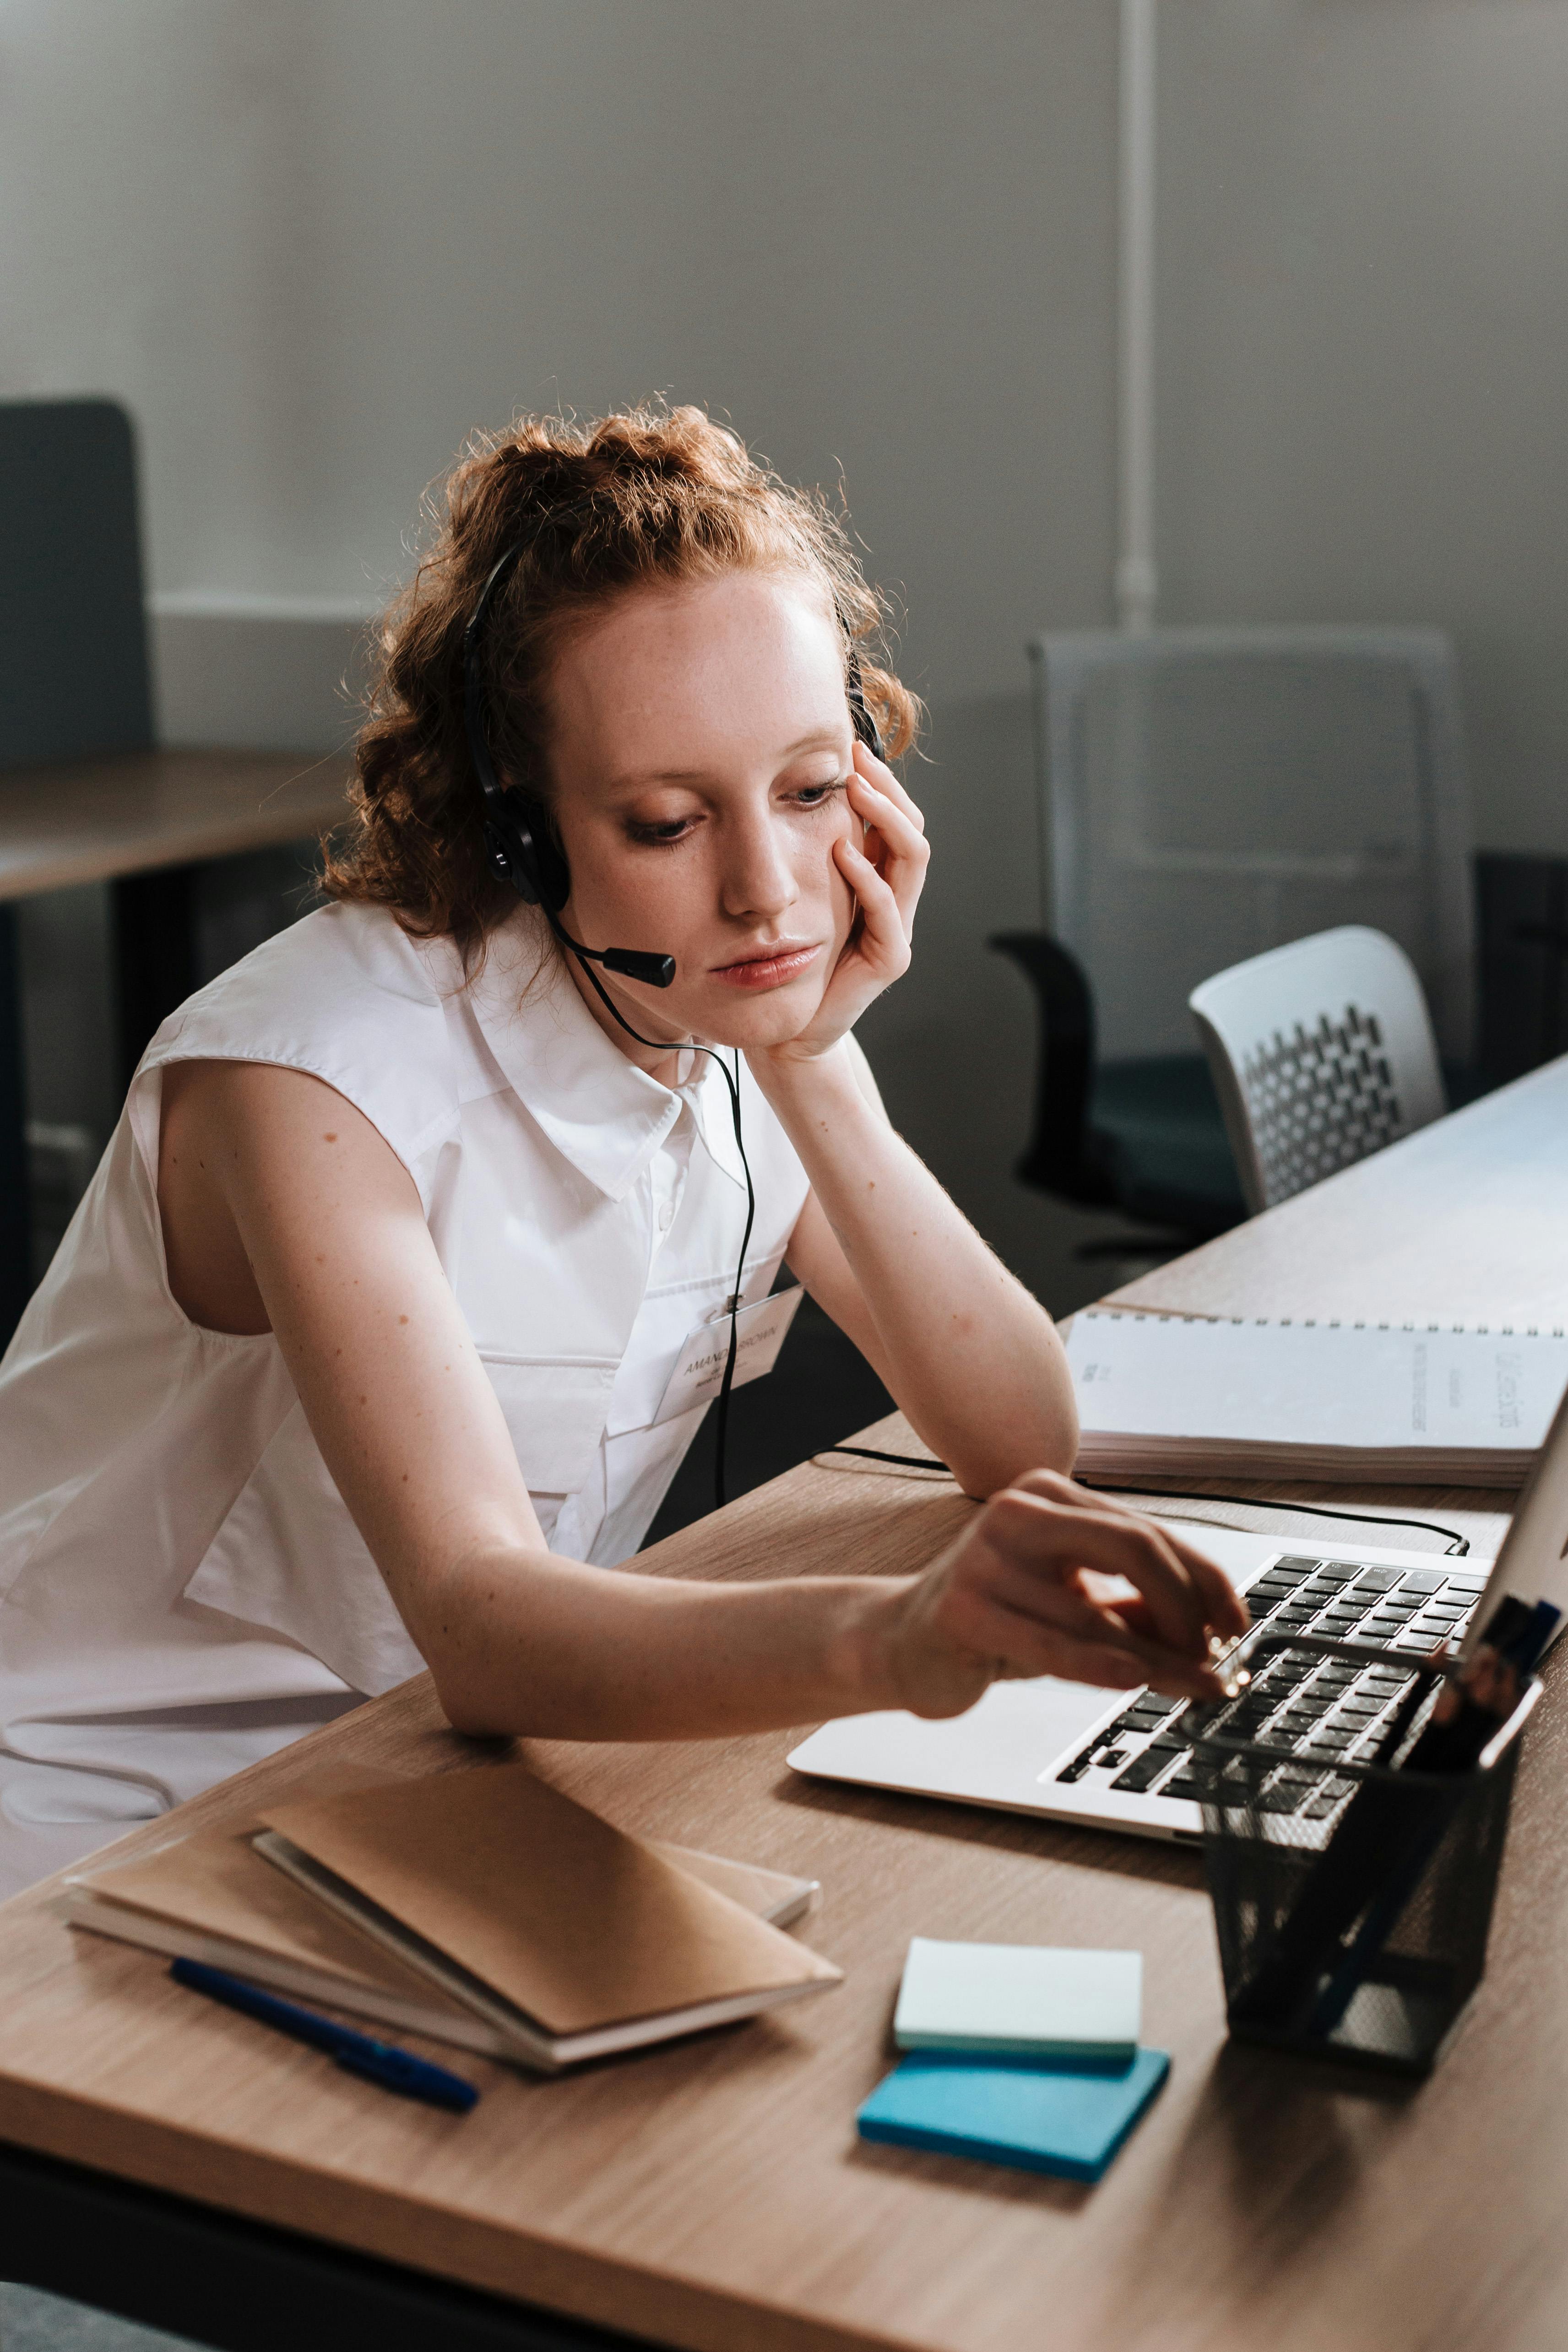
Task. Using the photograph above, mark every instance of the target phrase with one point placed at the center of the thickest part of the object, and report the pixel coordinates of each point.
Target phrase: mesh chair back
(1209, 793)
(1323, 1052)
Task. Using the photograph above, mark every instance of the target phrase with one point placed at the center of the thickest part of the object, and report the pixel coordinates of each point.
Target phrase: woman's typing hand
(1050, 1578)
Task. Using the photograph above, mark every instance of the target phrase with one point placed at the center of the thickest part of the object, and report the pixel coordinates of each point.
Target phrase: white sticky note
(1033, 2000)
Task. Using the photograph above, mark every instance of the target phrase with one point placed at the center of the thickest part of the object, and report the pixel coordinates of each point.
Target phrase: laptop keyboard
(1316, 1710)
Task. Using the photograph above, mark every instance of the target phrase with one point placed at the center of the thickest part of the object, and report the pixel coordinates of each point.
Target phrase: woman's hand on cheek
(886, 873)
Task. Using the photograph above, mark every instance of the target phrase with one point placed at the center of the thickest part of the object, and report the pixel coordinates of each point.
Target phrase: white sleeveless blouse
(181, 1588)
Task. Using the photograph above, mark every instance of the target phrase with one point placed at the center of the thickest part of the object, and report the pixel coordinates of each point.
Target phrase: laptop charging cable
(1458, 1545)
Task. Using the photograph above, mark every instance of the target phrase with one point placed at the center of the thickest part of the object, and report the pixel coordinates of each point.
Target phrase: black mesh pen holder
(1352, 1899)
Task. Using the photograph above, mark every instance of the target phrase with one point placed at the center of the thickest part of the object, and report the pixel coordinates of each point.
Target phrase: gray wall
(1365, 345)
(312, 244)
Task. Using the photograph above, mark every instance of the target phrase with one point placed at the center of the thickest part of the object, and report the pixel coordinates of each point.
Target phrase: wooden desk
(91, 821)
(1466, 1221)
(143, 824)
(714, 2196)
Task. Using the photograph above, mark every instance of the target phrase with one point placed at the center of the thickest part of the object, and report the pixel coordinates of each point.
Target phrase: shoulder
(346, 996)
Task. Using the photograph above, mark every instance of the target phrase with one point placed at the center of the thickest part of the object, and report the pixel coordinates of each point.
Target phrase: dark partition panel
(1523, 907)
(73, 632)
(74, 684)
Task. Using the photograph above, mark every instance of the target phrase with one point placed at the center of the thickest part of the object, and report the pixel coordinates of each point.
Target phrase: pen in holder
(1351, 1899)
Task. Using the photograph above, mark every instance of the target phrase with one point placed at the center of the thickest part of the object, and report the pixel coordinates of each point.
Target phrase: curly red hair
(650, 496)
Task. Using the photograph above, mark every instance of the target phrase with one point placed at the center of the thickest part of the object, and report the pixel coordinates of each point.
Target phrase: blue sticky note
(1041, 2118)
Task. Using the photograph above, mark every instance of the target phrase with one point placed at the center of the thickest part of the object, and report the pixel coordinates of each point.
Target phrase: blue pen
(378, 2061)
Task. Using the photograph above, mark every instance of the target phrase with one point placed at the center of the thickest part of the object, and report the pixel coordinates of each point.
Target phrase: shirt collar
(711, 1111)
(599, 1110)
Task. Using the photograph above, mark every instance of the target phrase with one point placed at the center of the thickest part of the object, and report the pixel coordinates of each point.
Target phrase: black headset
(517, 838)
(522, 850)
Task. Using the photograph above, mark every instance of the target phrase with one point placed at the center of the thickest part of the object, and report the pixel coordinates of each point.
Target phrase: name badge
(699, 1373)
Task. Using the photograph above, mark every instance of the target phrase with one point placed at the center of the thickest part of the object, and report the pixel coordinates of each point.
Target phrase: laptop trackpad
(999, 1752)
(995, 1753)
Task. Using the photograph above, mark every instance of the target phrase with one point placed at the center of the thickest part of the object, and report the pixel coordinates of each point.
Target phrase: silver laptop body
(1112, 1760)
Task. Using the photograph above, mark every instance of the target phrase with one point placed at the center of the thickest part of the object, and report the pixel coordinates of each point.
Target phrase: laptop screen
(1532, 1566)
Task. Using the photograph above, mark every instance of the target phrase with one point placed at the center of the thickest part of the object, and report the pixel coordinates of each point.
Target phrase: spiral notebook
(1409, 1403)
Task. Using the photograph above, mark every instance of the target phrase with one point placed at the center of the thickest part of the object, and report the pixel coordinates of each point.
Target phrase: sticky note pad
(1067, 2120)
(1021, 2000)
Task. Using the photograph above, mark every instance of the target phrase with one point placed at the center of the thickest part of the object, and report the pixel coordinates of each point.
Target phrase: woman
(352, 1359)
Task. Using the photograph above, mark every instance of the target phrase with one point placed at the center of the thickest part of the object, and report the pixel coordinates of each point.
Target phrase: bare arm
(282, 1204)
(974, 1362)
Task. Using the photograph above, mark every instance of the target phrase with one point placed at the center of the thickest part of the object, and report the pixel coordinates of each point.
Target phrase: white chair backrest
(1209, 793)
(1321, 1052)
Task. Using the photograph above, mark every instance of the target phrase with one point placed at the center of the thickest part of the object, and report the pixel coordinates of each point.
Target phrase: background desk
(144, 824)
(713, 2195)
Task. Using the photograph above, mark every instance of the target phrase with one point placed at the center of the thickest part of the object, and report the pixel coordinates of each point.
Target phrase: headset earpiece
(866, 730)
(523, 852)
(520, 848)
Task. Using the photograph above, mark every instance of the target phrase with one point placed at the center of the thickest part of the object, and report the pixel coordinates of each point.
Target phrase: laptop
(1116, 1760)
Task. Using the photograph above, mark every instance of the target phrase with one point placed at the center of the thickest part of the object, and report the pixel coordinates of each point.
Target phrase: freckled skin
(712, 800)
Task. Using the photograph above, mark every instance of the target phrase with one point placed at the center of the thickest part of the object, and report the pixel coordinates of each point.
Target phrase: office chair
(1322, 1052)
(1146, 1136)
(1205, 794)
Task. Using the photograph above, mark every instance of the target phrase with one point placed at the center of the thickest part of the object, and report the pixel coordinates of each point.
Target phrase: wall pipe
(1137, 580)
